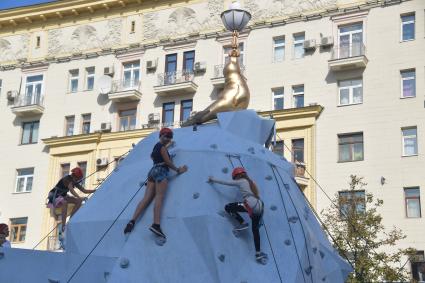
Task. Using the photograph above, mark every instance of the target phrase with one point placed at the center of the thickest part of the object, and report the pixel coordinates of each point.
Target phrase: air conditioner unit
(11, 95)
(309, 44)
(327, 41)
(153, 118)
(151, 65)
(105, 127)
(200, 66)
(109, 71)
(101, 161)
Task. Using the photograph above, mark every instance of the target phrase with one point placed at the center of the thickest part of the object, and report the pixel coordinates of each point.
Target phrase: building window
(408, 83)
(298, 96)
(278, 147)
(90, 78)
(228, 49)
(188, 61)
(24, 180)
(38, 42)
(168, 113)
(133, 27)
(33, 88)
(410, 141)
(86, 120)
(350, 41)
(127, 119)
(350, 147)
(412, 200)
(418, 266)
(351, 202)
(131, 75)
(83, 167)
(18, 229)
(30, 132)
(69, 125)
(299, 45)
(350, 92)
(408, 27)
(278, 100)
(65, 169)
(185, 109)
(170, 68)
(298, 150)
(278, 49)
(73, 80)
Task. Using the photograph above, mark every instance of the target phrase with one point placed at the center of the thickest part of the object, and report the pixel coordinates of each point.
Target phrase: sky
(7, 4)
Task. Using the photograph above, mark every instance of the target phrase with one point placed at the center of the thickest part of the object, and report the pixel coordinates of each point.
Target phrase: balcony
(125, 91)
(300, 177)
(218, 79)
(28, 105)
(174, 83)
(347, 57)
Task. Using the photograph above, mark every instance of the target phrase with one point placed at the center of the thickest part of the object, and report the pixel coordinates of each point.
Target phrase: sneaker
(156, 229)
(260, 256)
(242, 226)
(129, 227)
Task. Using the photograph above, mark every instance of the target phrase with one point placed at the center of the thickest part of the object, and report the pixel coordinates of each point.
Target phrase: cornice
(294, 113)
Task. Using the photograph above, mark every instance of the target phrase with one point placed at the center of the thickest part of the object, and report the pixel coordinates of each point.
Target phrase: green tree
(359, 234)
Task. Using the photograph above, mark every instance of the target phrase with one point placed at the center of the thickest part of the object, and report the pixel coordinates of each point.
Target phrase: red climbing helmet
(237, 171)
(77, 172)
(166, 131)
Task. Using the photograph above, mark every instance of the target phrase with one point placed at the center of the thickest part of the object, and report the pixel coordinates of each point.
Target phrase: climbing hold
(222, 257)
(133, 145)
(225, 170)
(286, 186)
(314, 250)
(308, 270)
(124, 262)
(53, 280)
(262, 258)
(322, 254)
(268, 177)
(251, 150)
(213, 146)
(195, 195)
(236, 233)
(160, 241)
(324, 278)
(288, 242)
(222, 213)
(293, 219)
(106, 275)
(273, 207)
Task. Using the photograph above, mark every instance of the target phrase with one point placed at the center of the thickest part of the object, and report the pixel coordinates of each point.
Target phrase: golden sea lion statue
(234, 96)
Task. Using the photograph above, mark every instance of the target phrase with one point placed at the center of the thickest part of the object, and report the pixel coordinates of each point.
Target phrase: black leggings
(233, 209)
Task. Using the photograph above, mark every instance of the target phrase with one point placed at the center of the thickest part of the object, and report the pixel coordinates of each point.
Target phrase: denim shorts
(158, 173)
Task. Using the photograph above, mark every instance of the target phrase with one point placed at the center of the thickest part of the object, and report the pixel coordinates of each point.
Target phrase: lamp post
(235, 19)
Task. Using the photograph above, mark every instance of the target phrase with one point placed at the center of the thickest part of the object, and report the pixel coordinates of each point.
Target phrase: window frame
(278, 96)
(350, 41)
(297, 94)
(406, 198)
(19, 226)
(31, 132)
(25, 177)
(84, 122)
(164, 112)
(407, 23)
(297, 42)
(74, 75)
(64, 172)
(83, 166)
(278, 148)
(34, 94)
(132, 67)
(277, 45)
(350, 88)
(351, 194)
(351, 147)
(90, 76)
(403, 137)
(294, 149)
(67, 123)
(182, 108)
(128, 117)
(186, 60)
(405, 79)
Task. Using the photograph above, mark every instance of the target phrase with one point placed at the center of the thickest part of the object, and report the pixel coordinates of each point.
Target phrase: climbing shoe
(129, 227)
(261, 257)
(241, 227)
(156, 229)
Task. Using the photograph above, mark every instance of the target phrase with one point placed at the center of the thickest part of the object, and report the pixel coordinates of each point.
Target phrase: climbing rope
(107, 230)
(115, 160)
(264, 223)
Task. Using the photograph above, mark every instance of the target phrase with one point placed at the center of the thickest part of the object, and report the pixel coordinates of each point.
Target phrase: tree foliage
(360, 236)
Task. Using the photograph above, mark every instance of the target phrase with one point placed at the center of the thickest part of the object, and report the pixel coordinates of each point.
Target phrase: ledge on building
(175, 89)
(28, 110)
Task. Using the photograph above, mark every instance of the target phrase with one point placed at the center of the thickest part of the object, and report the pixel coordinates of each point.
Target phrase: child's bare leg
(147, 199)
(64, 213)
(160, 191)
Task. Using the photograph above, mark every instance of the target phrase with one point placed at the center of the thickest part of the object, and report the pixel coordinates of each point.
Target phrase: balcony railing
(171, 78)
(125, 91)
(123, 85)
(28, 100)
(218, 70)
(348, 51)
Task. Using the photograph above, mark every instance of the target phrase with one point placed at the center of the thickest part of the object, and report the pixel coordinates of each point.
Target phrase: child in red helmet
(157, 182)
(252, 204)
(4, 233)
(58, 196)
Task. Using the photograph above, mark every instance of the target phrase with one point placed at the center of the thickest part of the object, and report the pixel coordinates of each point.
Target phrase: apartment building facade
(344, 79)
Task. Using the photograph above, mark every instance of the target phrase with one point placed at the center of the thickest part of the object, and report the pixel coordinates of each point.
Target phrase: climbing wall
(200, 244)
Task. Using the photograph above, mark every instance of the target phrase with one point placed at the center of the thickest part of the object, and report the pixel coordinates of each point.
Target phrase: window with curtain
(127, 119)
(168, 113)
(86, 121)
(408, 83)
(83, 167)
(33, 88)
(30, 132)
(407, 27)
(299, 45)
(278, 98)
(412, 201)
(350, 147)
(298, 150)
(350, 40)
(65, 169)
(90, 78)
(350, 92)
(73, 80)
(18, 229)
(69, 125)
(298, 96)
(24, 180)
(185, 109)
(351, 202)
(278, 49)
(410, 141)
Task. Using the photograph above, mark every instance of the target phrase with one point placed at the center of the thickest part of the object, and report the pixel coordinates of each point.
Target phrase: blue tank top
(156, 154)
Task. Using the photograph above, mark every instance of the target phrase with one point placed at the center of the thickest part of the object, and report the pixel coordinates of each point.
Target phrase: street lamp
(235, 19)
